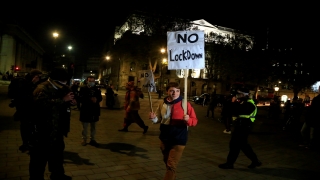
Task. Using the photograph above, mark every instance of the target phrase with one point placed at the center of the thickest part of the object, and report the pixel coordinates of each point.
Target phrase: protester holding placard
(173, 127)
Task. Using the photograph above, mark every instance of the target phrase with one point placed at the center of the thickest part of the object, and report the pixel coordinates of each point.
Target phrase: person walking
(22, 98)
(173, 127)
(245, 111)
(212, 105)
(132, 106)
(90, 98)
(51, 122)
(227, 113)
(110, 102)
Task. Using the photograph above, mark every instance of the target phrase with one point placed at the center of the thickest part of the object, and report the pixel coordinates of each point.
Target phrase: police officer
(245, 112)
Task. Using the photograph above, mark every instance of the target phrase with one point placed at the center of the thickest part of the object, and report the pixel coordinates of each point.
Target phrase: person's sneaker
(123, 130)
(255, 164)
(60, 177)
(226, 166)
(145, 129)
(227, 132)
(83, 142)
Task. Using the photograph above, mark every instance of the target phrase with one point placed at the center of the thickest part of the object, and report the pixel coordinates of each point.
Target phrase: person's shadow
(74, 158)
(124, 148)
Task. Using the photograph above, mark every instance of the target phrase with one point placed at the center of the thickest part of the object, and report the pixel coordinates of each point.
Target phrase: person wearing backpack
(132, 106)
(21, 92)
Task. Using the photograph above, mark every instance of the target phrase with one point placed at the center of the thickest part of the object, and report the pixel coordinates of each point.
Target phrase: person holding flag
(173, 127)
(132, 106)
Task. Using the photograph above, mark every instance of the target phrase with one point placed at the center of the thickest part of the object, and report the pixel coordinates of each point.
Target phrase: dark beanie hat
(35, 72)
(59, 74)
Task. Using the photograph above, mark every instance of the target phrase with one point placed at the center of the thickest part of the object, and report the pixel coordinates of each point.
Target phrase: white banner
(186, 50)
(147, 81)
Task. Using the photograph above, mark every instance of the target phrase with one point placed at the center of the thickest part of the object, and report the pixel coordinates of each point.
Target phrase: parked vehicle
(199, 99)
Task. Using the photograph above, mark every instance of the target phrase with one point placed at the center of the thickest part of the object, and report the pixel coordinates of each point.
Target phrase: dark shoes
(255, 164)
(123, 130)
(145, 129)
(93, 143)
(60, 177)
(226, 166)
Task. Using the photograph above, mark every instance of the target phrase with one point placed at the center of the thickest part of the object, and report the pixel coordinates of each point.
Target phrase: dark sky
(88, 25)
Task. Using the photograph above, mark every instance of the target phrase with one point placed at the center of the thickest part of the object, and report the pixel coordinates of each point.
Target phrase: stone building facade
(18, 50)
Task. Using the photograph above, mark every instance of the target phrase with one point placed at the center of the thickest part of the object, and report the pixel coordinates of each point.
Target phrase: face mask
(91, 84)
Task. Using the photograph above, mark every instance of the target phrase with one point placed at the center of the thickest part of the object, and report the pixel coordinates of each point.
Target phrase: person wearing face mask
(51, 123)
(90, 98)
(173, 127)
(22, 98)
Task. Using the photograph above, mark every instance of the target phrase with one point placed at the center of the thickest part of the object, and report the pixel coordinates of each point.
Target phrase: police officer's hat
(243, 91)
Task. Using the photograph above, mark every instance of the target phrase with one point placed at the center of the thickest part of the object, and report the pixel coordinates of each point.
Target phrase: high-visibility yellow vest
(252, 116)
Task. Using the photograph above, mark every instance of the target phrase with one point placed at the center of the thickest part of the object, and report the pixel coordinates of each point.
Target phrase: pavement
(132, 155)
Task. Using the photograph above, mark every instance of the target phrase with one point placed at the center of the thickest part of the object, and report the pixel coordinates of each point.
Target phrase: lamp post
(162, 50)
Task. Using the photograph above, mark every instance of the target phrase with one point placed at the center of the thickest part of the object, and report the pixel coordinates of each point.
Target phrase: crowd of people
(43, 108)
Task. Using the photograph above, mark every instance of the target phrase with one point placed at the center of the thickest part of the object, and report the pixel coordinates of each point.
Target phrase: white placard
(147, 81)
(186, 50)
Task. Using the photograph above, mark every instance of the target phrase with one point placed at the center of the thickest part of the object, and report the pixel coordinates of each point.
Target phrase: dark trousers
(133, 117)
(227, 122)
(44, 153)
(239, 141)
(25, 131)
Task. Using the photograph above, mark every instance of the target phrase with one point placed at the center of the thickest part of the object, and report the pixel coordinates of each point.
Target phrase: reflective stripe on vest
(253, 114)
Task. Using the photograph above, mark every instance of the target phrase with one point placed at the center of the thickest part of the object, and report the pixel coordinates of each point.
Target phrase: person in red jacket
(173, 127)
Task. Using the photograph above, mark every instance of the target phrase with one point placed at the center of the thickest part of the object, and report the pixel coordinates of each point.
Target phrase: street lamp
(276, 89)
(55, 36)
(69, 47)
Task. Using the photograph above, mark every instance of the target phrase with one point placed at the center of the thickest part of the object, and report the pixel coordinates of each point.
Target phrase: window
(132, 66)
(145, 67)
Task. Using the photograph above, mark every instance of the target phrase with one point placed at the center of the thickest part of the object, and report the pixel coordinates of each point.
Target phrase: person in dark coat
(110, 97)
(212, 105)
(75, 89)
(52, 100)
(23, 100)
(90, 97)
(310, 127)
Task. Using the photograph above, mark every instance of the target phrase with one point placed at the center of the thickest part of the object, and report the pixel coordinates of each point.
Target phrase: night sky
(88, 26)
